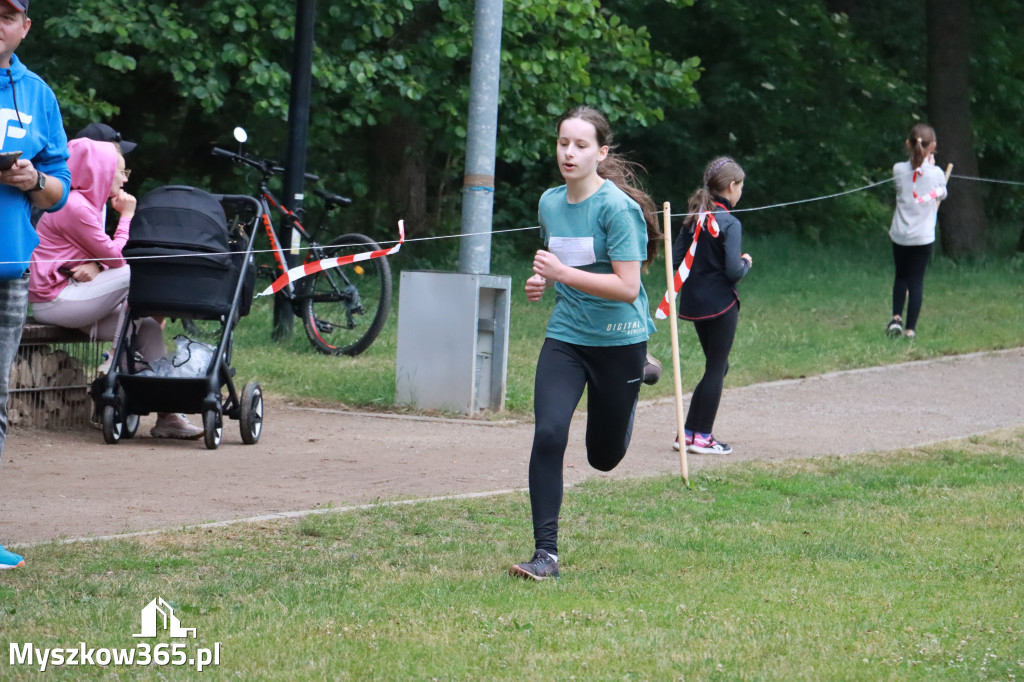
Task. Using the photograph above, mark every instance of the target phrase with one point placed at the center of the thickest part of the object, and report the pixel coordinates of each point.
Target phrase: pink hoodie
(75, 234)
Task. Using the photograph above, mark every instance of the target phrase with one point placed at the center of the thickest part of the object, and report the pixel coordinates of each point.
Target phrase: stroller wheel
(251, 417)
(130, 426)
(213, 429)
(111, 425)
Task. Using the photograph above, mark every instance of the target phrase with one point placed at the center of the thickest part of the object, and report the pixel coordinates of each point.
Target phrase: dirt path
(71, 484)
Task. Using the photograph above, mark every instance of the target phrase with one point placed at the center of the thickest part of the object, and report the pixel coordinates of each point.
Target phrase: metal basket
(50, 378)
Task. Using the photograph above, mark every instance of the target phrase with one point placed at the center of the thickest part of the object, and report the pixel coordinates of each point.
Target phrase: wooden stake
(949, 170)
(673, 326)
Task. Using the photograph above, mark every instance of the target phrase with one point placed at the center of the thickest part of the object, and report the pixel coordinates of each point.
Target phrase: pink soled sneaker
(689, 441)
(707, 445)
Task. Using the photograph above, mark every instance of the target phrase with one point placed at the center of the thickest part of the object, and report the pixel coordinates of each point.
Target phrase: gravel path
(72, 485)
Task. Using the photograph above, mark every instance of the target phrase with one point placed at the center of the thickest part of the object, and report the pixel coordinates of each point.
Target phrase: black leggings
(911, 262)
(716, 336)
(612, 376)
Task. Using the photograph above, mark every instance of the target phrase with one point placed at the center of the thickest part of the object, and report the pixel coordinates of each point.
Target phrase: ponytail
(921, 136)
(718, 175)
(623, 173)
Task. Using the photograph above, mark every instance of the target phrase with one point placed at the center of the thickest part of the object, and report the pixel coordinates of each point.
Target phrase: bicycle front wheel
(344, 308)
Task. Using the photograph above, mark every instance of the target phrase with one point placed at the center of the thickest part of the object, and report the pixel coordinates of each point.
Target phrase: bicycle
(342, 309)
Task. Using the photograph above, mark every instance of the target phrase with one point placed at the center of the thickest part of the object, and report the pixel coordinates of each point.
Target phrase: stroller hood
(181, 255)
(179, 217)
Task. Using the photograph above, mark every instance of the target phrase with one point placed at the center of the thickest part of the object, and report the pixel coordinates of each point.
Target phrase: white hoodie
(913, 223)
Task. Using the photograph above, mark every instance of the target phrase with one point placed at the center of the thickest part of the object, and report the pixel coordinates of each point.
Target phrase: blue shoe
(10, 559)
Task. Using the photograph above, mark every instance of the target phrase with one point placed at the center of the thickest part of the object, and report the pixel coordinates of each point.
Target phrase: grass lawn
(903, 566)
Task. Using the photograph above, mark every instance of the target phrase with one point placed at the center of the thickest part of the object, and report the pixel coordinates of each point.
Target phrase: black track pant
(716, 336)
(612, 376)
(911, 262)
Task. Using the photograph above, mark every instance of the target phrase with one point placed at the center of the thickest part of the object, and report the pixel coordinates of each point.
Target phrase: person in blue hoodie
(30, 123)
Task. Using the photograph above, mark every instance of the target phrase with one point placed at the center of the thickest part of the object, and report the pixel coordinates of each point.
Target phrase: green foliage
(78, 102)
(589, 57)
(810, 102)
(178, 76)
(190, 43)
(797, 97)
(998, 84)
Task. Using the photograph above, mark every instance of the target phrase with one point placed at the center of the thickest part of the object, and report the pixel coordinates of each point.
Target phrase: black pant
(612, 376)
(716, 336)
(911, 262)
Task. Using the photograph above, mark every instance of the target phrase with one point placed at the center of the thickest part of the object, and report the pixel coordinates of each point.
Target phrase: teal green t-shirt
(607, 226)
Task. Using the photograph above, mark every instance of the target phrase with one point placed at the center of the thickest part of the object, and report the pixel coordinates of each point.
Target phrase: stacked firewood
(57, 393)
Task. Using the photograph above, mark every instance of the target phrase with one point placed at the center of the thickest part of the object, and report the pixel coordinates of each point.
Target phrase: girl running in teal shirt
(599, 230)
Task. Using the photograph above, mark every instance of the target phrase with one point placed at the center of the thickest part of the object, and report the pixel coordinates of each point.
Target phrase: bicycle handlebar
(267, 167)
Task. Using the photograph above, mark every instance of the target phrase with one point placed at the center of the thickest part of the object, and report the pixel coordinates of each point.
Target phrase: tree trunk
(963, 227)
(400, 175)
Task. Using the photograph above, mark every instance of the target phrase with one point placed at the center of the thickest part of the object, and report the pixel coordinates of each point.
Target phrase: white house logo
(157, 616)
(167, 620)
(14, 132)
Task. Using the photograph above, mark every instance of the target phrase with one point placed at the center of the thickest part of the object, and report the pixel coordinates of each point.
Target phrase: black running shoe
(541, 566)
(652, 370)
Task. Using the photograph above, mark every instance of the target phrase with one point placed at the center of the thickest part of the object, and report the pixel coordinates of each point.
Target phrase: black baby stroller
(187, 263)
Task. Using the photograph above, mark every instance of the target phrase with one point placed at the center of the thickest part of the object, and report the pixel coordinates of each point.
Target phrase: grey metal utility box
(452, 341)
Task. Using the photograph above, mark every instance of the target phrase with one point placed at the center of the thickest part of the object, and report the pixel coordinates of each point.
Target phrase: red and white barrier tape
(936, 194)
(706, 221)
(313, 267)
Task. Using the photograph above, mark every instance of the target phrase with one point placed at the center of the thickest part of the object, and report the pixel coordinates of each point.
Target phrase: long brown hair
(621, 171)
(718, 175)
(921, 135)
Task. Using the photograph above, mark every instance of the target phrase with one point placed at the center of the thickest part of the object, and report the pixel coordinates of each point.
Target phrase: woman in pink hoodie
(78, 278)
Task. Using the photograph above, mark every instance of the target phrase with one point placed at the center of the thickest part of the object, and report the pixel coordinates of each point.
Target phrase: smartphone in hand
(7, 159)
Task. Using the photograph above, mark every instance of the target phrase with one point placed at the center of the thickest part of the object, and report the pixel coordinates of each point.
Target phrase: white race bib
(573, 251)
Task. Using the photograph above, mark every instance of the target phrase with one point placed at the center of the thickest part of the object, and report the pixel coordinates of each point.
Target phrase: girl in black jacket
(708, 297)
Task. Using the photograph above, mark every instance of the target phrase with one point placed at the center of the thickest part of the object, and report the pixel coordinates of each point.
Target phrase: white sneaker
(175, 426)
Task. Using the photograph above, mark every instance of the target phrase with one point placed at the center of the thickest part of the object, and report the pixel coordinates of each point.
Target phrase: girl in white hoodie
(920, 186)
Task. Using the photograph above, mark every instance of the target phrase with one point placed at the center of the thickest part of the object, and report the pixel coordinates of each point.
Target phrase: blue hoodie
(30, 122)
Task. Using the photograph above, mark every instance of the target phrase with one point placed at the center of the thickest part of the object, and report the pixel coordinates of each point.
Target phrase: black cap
(103, 133)
(20, 5)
